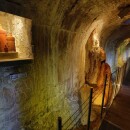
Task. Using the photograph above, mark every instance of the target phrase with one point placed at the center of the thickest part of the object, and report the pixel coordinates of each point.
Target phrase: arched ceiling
(82, 15)
(118, 35)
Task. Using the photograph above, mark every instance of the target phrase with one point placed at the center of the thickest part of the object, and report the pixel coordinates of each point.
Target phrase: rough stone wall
(50, 88)
(8, 101)
(59, 74)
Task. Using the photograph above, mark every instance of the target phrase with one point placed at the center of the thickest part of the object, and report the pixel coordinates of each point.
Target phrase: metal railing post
(90, 106)
(59, 123)
(109, 90)
(103, 96)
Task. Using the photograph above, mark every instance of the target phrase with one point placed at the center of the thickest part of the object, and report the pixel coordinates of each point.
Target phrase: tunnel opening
(74, 48)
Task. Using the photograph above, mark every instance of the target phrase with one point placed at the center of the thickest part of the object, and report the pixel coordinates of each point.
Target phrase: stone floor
(119, 112)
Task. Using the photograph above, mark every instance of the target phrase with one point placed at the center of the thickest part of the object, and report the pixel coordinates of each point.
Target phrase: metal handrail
(96, 96)
(103, 95)
(75, 112)
(90, 107)
(113, 74)
(92, 97)
(114, 71)
(76, 123)
(75, 118)
(96, 92)
(60, 125)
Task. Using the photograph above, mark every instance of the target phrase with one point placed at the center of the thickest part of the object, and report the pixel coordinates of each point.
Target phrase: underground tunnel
(62, 62)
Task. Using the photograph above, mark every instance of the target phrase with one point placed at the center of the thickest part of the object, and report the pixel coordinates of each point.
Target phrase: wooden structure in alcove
(20, 28)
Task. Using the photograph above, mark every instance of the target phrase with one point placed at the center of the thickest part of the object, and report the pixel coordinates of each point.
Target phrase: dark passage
(127, 76)
(118, 116)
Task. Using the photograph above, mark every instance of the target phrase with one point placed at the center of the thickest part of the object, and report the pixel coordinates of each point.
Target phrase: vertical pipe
(124, 72)
(90, 106)
(103, 96)
(109, 91)
(119, 80)
(59, 123)
(117, 75)
(122, 75)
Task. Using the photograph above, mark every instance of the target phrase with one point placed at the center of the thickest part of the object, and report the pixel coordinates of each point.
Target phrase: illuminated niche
(15, 38)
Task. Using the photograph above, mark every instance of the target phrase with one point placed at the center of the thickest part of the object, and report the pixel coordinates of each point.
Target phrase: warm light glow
(96, 42)
(19, 24)
(20, 28)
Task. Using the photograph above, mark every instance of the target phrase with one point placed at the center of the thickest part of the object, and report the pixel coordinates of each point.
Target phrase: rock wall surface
(60, 31)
